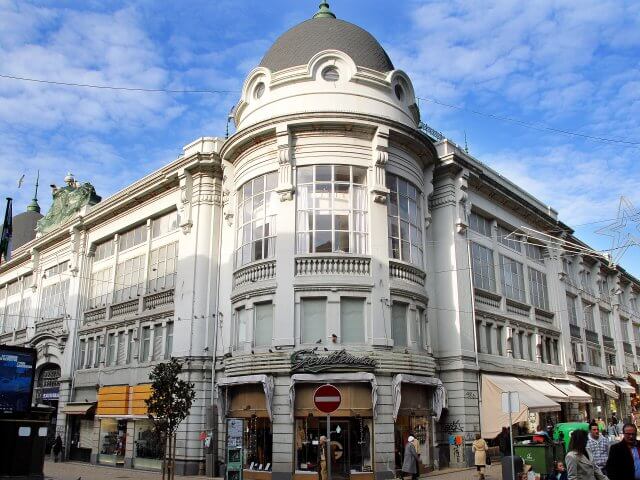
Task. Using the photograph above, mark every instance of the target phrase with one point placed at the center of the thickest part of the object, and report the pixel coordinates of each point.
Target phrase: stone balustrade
(255, 272)
(333, 265)
(407, 273)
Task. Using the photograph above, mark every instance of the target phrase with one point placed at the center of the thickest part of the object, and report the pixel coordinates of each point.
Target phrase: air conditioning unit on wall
(580, 353)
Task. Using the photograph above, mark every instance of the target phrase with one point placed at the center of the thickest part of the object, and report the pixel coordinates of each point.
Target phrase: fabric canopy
(573, 393)
(635, 377)
(333, 378)
(265, 380)
(492, 418)
(609, 390)
(547, 389)
(624, 386)
(439, 393)
(77, 408)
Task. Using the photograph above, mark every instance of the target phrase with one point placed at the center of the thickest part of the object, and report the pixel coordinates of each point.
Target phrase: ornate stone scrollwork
(380, 157)
(184, 207)
(285, 169)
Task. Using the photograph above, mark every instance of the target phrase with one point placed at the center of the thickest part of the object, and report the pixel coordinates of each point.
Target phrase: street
(84, 471)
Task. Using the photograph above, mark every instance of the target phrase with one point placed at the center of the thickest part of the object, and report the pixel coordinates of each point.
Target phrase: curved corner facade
(329, 240)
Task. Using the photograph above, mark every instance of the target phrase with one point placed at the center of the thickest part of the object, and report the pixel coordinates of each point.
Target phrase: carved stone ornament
(309, 361)
(67, 201)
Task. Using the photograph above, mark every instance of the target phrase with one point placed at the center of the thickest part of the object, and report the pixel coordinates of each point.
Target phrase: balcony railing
(329, 265)
(158, 299)
(256, 272)
(125, 308)
(544, 315)
(591, 336)
(487, 298)
(408, 273)
(628, 349)
(48, 325)
(518, 308)
(575, 331)
(97, 315)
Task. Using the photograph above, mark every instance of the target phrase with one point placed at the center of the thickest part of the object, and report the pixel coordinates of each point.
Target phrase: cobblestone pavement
(84, 471)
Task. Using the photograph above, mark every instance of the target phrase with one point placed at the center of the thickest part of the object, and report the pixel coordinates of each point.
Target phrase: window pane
(313, 320)
(241, 326)
(263, 334)
(352, 320)
(399, 324)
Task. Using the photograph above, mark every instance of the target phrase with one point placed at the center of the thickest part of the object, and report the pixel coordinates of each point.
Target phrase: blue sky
(571, 65)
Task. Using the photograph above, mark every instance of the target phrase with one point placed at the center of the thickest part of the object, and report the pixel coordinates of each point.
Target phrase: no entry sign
(327, 398)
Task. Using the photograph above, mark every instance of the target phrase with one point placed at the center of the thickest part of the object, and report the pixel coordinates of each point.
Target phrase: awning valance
(609, 390)
(573, 393)
(547, 389)
(439, 393)
(77, 408)
(624, 386)
(267, 385)
(320, 378)
(492, 419)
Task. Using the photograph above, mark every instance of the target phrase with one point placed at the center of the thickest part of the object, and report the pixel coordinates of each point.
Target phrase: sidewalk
(85, 471)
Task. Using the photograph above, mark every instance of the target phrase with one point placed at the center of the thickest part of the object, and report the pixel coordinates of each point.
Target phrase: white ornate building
(328, 240)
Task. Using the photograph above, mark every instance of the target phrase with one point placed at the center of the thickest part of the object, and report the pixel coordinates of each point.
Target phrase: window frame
(403, 190)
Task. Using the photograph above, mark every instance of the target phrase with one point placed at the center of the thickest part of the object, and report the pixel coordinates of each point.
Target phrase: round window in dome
(259, 90)
(331, 74)
(399, 92)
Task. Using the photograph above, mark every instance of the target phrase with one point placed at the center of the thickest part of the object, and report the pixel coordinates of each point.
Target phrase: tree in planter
(168, 405)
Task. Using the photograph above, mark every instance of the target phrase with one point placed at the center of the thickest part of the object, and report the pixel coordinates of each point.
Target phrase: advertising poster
(16, 379)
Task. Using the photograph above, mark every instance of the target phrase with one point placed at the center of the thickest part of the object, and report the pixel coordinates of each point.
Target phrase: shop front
(605, 398)
(246, 404)
(535, 407)
(351, 428)
(126, 436)
(574, 407)
(81, 423)
(417, 404)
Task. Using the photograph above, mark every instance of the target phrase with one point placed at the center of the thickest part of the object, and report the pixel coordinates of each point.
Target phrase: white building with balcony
(328, 240)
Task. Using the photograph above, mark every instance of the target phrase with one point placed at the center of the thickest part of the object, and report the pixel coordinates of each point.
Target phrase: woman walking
(579, 465)
(479, 447)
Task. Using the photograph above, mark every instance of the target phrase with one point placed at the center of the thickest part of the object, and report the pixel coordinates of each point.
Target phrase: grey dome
(298, 45)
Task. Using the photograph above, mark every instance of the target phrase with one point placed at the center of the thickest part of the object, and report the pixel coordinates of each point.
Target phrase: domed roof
(298, 45)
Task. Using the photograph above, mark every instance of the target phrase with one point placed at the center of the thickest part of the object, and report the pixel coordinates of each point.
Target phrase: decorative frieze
(285, 169)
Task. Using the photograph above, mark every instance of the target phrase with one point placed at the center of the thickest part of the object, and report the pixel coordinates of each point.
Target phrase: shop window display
(350, 444)
(257, 441)
(147, 449)
(113, 441)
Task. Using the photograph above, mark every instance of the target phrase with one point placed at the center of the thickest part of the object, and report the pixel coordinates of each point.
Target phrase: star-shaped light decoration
(624, 231)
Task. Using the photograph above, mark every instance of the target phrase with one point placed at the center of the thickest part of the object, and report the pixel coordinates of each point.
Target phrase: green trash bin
(562, 432)
(539, 455)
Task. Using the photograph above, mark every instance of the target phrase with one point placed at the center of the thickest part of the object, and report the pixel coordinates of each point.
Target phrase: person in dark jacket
(624, 456)
(504, 442)
(410, 461)
(559, 472)
(57, 449)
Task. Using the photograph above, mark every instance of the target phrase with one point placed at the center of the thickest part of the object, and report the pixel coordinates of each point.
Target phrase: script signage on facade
(309, 361)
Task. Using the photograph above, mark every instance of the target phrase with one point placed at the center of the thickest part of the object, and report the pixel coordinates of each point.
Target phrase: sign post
(511, 403)
(327, 399)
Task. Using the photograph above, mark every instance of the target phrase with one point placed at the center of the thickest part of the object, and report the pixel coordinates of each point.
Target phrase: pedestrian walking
(612, 429)
(504, 442)
(479, 448)
(410, 461)
(579, 465)
(624, 456)
(324, 474)
(57, 449)
(597, 447)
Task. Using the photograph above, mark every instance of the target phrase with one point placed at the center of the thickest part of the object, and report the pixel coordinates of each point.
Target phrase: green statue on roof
(67, 201)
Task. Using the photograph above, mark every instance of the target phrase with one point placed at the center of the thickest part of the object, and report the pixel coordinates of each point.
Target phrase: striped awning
(77, 408)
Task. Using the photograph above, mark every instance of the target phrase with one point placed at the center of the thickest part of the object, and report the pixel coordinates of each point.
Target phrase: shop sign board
(308, 360)
(327, 398)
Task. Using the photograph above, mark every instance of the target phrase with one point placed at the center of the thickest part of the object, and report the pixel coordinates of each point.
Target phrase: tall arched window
(256, 234)
(332, 209)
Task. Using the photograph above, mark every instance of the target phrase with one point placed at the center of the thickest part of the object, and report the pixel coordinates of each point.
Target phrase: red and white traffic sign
(327, 398)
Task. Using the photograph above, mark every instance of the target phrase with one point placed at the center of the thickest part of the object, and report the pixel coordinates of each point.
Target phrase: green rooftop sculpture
(67, 201)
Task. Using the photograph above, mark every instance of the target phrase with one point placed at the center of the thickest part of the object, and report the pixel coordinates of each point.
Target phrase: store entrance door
(340, 435)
